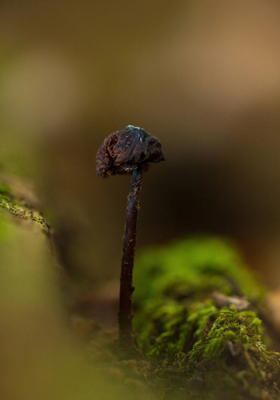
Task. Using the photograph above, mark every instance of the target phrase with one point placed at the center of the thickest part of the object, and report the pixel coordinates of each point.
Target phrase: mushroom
(128, 151)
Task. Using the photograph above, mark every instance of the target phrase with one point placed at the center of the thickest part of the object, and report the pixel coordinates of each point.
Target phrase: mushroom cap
(124, 151)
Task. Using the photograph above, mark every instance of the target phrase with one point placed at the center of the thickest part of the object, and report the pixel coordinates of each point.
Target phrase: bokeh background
(202, 76)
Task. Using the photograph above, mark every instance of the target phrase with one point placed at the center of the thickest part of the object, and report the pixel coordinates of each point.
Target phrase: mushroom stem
(126, 335)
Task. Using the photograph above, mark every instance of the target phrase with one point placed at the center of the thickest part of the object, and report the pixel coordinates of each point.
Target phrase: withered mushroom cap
(124, 151)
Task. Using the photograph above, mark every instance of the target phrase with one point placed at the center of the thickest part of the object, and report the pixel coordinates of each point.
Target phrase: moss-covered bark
(20, 208)
(196, 315)
(39, 358)
(203, 337)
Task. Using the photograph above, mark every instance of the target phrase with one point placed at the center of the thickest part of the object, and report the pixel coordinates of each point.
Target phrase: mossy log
(20, 206)
(39, 358)
(197, 314)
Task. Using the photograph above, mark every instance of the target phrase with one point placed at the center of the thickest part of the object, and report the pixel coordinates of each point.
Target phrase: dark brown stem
(126, 335)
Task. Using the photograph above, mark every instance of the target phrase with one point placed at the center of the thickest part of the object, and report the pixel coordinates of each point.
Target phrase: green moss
(233, 351)
(19, 208)
(167, 327)
(202, 349)
(193, 268)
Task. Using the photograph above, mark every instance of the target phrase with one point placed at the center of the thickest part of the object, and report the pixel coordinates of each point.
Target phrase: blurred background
(203, 77)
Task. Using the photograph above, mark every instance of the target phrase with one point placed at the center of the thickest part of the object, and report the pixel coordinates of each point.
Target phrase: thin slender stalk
(126, 335)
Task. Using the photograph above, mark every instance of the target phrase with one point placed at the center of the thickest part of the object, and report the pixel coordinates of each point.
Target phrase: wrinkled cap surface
(124, 151)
